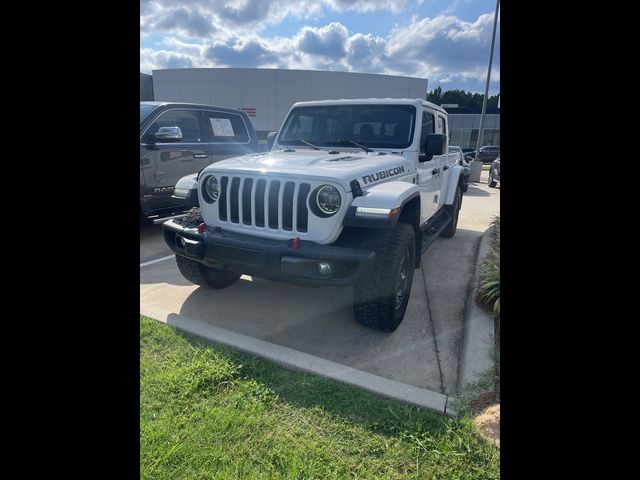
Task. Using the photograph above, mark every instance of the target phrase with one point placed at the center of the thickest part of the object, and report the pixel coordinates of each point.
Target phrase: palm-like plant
(489, 275)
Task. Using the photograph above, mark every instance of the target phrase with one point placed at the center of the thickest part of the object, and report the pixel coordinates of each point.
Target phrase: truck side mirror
(436, 144)
(271, 138)
(168, 134)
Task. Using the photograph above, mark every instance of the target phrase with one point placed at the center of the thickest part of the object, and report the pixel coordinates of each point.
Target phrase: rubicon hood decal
(374, 177)
(368, 169)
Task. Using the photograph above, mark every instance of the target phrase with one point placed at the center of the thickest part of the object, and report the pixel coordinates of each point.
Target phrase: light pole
(486, 89)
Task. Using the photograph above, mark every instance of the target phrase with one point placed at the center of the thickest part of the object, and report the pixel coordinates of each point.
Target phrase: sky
(445, 41)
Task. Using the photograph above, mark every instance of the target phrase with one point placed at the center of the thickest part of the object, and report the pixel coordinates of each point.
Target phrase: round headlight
(328, 199)
(211, 189)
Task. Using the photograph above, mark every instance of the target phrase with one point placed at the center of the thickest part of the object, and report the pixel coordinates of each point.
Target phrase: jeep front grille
(270, 204)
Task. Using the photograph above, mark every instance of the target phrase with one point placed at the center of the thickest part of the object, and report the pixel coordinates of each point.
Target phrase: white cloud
(370, 5)
(203, 17)
(365, 52)
(181, 21)
(244, 52)
(153, 59)
(444, 49)
(328, 41)
(443, 43)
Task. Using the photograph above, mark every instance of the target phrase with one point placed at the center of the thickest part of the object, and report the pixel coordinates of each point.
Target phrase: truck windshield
(373, 126)
(146, 110)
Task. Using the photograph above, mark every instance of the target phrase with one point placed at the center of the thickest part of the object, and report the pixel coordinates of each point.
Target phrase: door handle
(200, 155)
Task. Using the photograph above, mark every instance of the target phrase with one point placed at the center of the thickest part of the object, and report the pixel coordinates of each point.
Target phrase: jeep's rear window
(374, 126)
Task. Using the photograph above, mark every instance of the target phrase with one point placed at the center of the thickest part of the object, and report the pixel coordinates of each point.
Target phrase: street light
(486, 90)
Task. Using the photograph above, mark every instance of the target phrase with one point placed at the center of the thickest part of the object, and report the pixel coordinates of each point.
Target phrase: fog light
(324, 268)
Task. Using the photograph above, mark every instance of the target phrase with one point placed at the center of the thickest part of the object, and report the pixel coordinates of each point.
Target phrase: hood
(367, 168)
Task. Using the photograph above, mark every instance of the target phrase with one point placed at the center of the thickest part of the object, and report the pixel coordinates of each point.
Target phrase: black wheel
(196, 272)
(454, 212)
(492, 182)
(205, 276)
(380, 299)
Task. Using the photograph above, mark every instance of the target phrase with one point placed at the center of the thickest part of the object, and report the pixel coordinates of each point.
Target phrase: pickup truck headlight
(328, 200)
(211, 189)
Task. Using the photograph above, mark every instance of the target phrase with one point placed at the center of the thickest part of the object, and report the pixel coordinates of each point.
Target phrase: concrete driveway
(422, 352)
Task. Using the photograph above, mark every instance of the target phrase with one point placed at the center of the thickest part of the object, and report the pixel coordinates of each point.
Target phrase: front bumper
(266, 258)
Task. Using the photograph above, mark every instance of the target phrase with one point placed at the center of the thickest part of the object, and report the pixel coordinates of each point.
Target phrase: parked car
(464, 183)
(468, 154)
(350, 193)
(494, 172)
(487, 154)
(177, 139)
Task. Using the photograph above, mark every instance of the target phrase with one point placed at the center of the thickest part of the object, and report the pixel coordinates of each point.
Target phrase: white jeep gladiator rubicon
(351, 193)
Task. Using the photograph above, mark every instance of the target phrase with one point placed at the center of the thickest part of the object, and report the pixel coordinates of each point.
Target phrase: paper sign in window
(222, 127)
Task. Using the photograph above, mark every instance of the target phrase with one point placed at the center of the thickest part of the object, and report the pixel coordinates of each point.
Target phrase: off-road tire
(492, 182)
(375, 296)
(454, 212)
(192, 218)
(196, 272)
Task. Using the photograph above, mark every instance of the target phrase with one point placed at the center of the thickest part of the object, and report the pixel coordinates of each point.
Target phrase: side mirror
(168, 134)
(436, 144)
(270, 139)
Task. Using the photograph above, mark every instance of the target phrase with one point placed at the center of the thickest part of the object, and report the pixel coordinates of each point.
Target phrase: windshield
(373, 126)
(146, 110)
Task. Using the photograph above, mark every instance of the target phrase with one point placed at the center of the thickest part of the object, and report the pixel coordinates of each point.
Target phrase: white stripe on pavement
(156, 260)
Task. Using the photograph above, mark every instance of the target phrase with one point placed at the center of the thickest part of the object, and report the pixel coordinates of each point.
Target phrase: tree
(435, 96)
(462, 98)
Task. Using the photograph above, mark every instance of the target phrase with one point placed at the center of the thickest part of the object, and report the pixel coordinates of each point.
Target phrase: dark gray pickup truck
(177, 139)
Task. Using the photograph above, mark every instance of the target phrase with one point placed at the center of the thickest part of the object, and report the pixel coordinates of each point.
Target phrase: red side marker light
(295, 243)
(201, 228)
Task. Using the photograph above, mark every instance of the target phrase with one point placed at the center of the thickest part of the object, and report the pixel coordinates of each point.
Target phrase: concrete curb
(476, 353)
(295, 360)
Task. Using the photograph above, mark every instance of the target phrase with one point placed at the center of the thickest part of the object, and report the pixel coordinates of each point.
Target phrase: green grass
(209, 412)
(487, 388)
(483, 392)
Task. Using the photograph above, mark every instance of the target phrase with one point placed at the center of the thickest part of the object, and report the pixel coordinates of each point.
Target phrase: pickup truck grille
(266, 203)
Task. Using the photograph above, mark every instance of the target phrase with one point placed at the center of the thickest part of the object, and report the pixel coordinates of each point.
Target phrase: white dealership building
(268, 94)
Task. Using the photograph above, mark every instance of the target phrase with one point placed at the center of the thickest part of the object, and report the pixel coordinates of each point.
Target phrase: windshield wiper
(305, 142)
(351, 142)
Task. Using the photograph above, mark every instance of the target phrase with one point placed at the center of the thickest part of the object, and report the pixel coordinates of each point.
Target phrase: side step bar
(432, 229)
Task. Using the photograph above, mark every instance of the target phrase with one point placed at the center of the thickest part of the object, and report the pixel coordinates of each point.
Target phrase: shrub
(488, 293)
